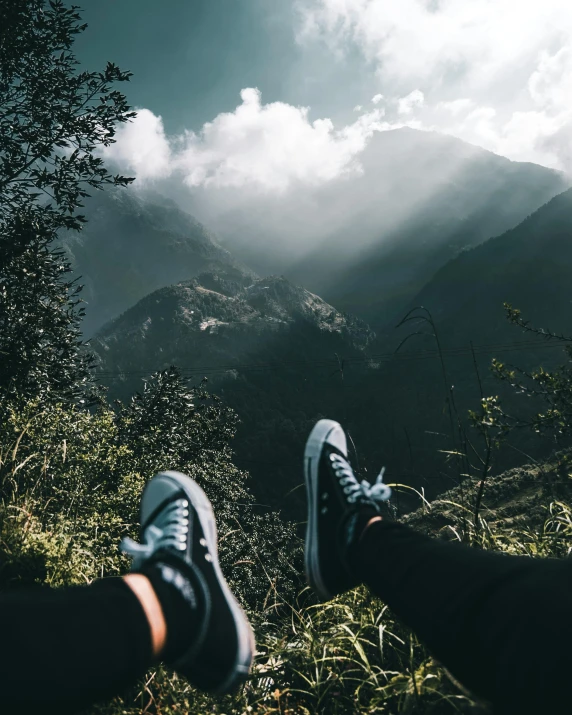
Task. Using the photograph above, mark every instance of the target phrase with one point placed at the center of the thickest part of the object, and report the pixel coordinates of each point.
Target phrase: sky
(220, 82)
(243, 100)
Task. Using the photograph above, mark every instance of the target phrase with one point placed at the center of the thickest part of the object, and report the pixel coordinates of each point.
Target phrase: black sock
(354, 528)
(182, 597)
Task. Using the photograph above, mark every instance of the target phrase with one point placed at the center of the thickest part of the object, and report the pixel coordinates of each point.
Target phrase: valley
(282, 356)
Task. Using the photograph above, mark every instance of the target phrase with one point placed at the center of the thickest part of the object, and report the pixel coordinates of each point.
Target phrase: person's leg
(64, 649)
(500, 624)
(141, 587)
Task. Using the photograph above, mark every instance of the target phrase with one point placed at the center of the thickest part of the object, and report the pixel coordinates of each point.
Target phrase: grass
(348, 656)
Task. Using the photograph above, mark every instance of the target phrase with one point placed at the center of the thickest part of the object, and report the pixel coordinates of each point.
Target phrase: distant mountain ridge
(472, 195)
(229, 305)
(367, 243)
(133, 245)
(276, 352)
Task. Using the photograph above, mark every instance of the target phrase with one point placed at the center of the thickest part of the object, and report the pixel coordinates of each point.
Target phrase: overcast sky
(261, 92)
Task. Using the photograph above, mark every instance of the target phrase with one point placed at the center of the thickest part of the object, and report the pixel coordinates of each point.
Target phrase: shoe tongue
(333, 448)
(170, 495)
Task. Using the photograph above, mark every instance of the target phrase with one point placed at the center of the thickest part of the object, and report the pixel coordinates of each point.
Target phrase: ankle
(354, 529)
(143, 590)
(183, 602)
(366, 527)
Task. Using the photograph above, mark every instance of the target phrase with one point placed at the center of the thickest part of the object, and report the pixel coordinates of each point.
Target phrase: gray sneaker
(178, 526)
(336, 503)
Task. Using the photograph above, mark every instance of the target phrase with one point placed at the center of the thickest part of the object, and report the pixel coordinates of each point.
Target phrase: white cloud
(406, 105)
(456, 106)
(358, 108)
(510, 56)
(377, 98)
(268, 147)
(550, 85)
(142, 147)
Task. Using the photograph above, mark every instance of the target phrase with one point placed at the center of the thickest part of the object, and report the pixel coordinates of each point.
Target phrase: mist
(401, 189)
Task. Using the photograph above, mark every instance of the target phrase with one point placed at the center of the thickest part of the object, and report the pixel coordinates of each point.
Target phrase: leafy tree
(53, 119)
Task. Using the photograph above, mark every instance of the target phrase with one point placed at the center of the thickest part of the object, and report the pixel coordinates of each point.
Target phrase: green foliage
(52, 121)
(552, 388)
(52, 118)
(68, 492)
(71, 482)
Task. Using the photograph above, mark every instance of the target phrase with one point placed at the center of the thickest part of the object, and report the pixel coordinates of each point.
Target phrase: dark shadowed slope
(529, 267)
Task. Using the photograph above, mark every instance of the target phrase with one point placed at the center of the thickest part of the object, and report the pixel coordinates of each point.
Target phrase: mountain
(459, 197)
(530, 268)
(283, 357)
(268, 349)
(367, 243)
(133, 245)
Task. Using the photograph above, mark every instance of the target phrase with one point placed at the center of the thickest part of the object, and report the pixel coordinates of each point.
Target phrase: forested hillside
(283, 358)
(528, 266)
(268, 349)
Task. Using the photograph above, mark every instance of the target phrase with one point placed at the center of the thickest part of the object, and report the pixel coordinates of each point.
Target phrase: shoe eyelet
(208, 557)
(324, 510)
(203, 542)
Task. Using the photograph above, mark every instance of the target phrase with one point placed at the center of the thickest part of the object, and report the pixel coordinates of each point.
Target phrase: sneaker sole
(246, 642)
(318, 437)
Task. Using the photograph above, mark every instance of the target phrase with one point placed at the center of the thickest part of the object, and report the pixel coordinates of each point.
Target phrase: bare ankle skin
(369, 523)
(141, 587)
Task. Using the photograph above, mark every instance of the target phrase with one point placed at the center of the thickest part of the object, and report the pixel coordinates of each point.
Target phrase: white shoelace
(168, 531)
(354, 490)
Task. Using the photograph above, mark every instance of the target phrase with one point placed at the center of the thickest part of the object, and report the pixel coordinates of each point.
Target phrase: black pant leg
(501, 624)
(64, 649)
